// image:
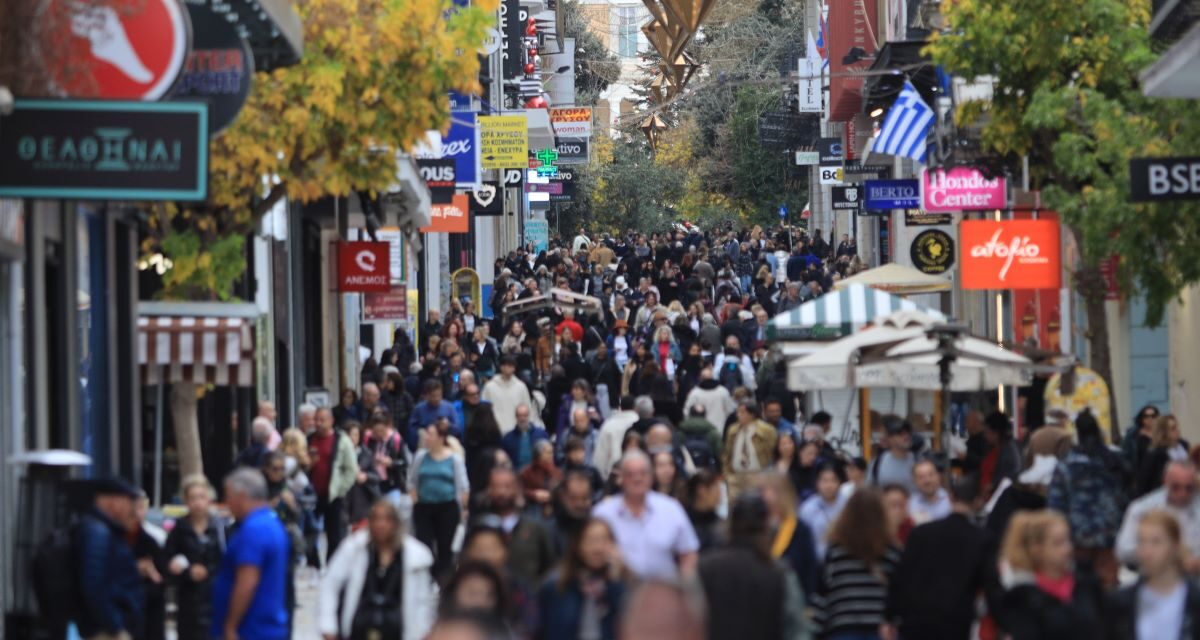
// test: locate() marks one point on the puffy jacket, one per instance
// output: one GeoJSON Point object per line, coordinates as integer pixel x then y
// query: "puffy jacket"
{"type": "Point", "coordinates": [111, 589]}
{"type": "Point", "coordinates": [342, 587]}
{"type": "Point", "coordinates": [1087, 488]}
{"type": "Point", "coordinates": [194, 597]}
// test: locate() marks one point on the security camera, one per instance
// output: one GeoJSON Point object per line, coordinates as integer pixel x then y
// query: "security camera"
{"type": "Point", "coordinates": [6, 101]}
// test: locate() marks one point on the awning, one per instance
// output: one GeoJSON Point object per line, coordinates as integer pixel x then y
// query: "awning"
{"type": "Point", "coordinates": [200, 349]}
{"type": "Point", "coordinates": [839, 313]}
{"type": "Point", "coordinates": [906, 59]}
{"type": "Point", "coordinates": [897, 278]}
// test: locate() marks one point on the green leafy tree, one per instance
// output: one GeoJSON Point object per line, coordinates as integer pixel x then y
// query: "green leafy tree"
{"type": "Point", "coordinates": [1066, 96]}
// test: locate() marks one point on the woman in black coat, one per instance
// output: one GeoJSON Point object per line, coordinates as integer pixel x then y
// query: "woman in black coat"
{"type": "Point", "coordinates": [193, 554]}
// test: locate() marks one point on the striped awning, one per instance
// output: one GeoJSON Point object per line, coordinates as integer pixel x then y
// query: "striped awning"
{"type": "Point", "coordinates": [204, 350]}
{"type": "Point", "coordinates": [839, 313]}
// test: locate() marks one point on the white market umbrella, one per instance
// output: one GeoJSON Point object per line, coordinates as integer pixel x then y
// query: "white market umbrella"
{"type": "Point", "coordinates": [898, 279]}
{"type": "Point", "coordinates": [839, 313]}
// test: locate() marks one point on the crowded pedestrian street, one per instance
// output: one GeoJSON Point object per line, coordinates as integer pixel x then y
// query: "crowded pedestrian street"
{"type": "Point", "coordinates": [599, 320]}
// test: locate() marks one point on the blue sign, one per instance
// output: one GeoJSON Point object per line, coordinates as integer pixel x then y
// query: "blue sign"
{"type": "Point", "coordinates": [460, 102]}
{"type": "Point", "coordinates": [783, 211]}
{"type": "Point", "coordinates": [537, 233]}
{"type": "Point", "coordinates": [892, 194]}
{"type": "Point", "coordinates": [462, 145]}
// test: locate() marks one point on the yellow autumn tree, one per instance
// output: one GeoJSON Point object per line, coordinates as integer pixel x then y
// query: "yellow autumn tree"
{"type": "Point", "coordinates": [374, 77]}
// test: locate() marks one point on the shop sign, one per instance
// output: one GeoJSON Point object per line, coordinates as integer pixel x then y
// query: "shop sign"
{"type": "Point", "coordinates": [386, 306]}
{"type": "Point", "coordinates": [573, 150]}
{"type": "Point", "coordinates": [571, 122]}
{"type": "Point", "coordinates": [450, 218]}
{"type": "Point", "coordinates": [893, 194]}
{"type": "Point", "coordinates": [486, 200]}
{"type": "Point", "coordinates": [807, 158]}
{"type": "Point", "coordinates": [554, 188]}
{"type": "Point", "coordinates": [105, 150]}
{"type": "Point", "coordinates": [512, 37]}
{"type": "Point", "coordinates": [846, 198]}
{"type": "Point", "coordinates": [117, 49]}
{"type": "Point", "coordinates": [440, 177]}
{"type": "Point", "coordinates": [1160, 179]}
{"type": "Point", "coordinates": [364, 266]}
{"type": "Point", "coordinates": [918, 218]}
{"type": "Point", "coordinates": [1010, 254]}
{"type": "Point", "coordinates": [932, 251]}
{"type": "Point", "coordinates": [537, 233]}
{"type": "Point", "coordinates": [832, 150]}
{"type": "Point", "coordinates": [219, 67]}
{"type": "Point", "coordinates": [503, 141]}
{"type": "Point", "coordinates": [830, 175]}
{"type": "Point", "coordinates": [856, 171]}
{"type": "Point", "coordinates": [961, 189]}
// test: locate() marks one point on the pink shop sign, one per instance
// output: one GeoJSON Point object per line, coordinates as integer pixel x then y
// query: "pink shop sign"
{"type": "Point", "coordinates": [961, 189]}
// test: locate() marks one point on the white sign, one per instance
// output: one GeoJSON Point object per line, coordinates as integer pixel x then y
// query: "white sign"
{"type": "Point", "coordinates": [492, 43]}
{"type": "Point", "coordinates": [830, 175]}
{"type": "Point", "coordinates": [807, 158]}
{"type": "Point", "coordinates": [810, 79]}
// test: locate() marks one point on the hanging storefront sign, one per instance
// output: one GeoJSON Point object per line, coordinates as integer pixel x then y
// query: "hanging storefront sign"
{"type": "Point", "coordinates": [1160, 179]}
{"type": "Point", "coordinates": [512, 37]}
{"type": "Point", "coordinates": [219, 67]}
{"type": "Point", "coordinates": [364, 266]}
{"type": "Point", "coordinates": [807, 158]}
{"type": "Point", "coordinates": [439, 176]}
{"type": "Point", "coordinates": [462, 145]}
{"type": "Point", "coordinates": [832, 150]}
{"type": "Point", "coordinates": [1010, 254]}
{"type": "Point", "coordinates": [932, 251]}
{"type": "Point", "coordinates": [565, 179]}
{"type": "Point", "coordinates": [810, 78]}
{"type": "Point", "coordinates": [387, 306]}
{"type": "Point", "coordinates": [856, 171]}
{"type": "Point", "coordinates": [486, 200]}
{"type": "Point", "coordinates": [105, 150]}
{"type": "Point", "coordinates": [892, 194]}
{"type": "Point", "coordinates": [115, 50]}
{"type": "Point", "coordinates": [846, 198]}
{"type": "Point", "coordinates": [961, 189]}
{"type": "Point", "coordinates": [503, 141]}
{"type": "Point", "coordinates": [571, 122]}
{"type": "Point", "coordinates": [572, 150]}
{"type": "Point", "coordinates": [918, 218]}
{"type": "Point", "coordinates": [450, 218]}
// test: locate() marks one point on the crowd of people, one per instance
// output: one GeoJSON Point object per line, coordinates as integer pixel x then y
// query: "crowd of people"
{"type": "Point", "coordinates": [643, 472]}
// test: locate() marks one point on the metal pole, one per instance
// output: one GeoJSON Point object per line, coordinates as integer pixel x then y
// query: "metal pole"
{"type": "Point", "coordinates": [158, 439]}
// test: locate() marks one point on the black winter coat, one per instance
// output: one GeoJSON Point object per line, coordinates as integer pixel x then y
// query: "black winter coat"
{"type": "Point", "coordinates": [1029, 613]}
{"type": "Point", "coordinates": [194, 598]}
{"type": "Point", "coordinates": [1122, 614]}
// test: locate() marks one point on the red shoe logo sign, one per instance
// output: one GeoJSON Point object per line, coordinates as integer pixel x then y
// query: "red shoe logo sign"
{"type": "Point", "coordinates": [123, 50]}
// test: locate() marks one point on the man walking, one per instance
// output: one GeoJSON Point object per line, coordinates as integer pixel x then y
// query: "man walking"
{"type": "Point", "coordinates": [749, 448]}
{"type": "Point", "coordinates": [250, 590]}
{"type": "Point", "coordinates": [110, 587]}
{"type": "Point", "coordinates": [334, 473]}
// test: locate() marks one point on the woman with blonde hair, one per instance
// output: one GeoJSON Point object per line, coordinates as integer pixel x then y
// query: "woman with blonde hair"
{"type": "Point", "coordinates": [193, 552]}
{"type": "Point", "coordinates": [1164, 603]}
{"type": "Point", "coordinates": [1045, 597]}
{"type": "Point", "coordinates": [1166, 445]}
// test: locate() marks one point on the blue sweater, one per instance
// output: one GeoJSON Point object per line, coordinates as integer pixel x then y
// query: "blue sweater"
{"type": "Point", "coordinates": [425, 414]}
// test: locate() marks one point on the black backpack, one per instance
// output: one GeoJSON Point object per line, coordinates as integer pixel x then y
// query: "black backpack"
{"type": "Point", "coordinates": [701, 452]}
{"type": "Point", "coordinates": [55, 574]}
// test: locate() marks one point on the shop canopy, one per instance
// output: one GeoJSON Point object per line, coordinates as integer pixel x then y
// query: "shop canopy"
{"type": "Point", "coordinates": [204, 343]}
{"type": "Point", "coordinates": [839, 313]}
{"type": "Point", "coordinates": [895, 278]}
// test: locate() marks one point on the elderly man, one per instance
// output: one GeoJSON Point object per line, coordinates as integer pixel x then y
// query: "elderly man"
{"type": "Point", "coordinates": [749, 448]}
{"type": "Point", "coordinates": [612, 433]}
{"type": "Point", "coordinates": [260, 437]}
{"type": "Point", "coordinates": [250, 589]}
{"type": "Point", "coordinates": [266, 410]}
{"type": "Point", "coordinates": [368, 402]}
{"type": "Point", "coordinates": [1178, 496]}
{"type": "Point", "coordinates": [581, 428]}
{"type": "Point", "coordinates": [112, 603]}
{"type": "Point", "coordinates": [520, 442]}
{"type": "Point", "coordinates": [653, 532]}
{"type": "Point", "coordinates": [306, 418]}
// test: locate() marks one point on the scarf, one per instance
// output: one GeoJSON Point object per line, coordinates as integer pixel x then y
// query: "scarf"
{"type": "Point", "coordinates": [1060, 588]}
{"type": "Point", "coordinates": [783, 537]}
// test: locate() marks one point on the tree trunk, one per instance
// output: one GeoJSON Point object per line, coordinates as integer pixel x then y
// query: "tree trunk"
{"type": "Point", "coordinates": [187, 431]}
{"type": "Point", "coordinates": [1091, 285]}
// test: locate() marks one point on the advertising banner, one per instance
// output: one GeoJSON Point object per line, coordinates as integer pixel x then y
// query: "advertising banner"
{"type": "Point", "coordinates": [1010, 254]}
{"type": "Point", "coordinates": [105, 150]}
{"type": "Point", "coordinates": [961, 189]}
{"type": "Point", "coordinates": [389, 306]}
{"type": "Point", "coordinates": [537, 233]}
{"type": "Point", "coordinates": [893, 194]}
{"type": "Point", "coordinates": [450, 218]}
{"type": "Point", "coordinates": [219, 68]}
{"type": "Point", "coordinates": [571, 122]}
{"type": "Point", "coordinates": [1159, 179]}
{"type": "Point", "coordinates": [364, 266]}
{"type": "Point", "coordinates": [572, 150]}
{"type": "Point", "coordinates": [439, 176]}
{"type": "Point", "coordinates": [461, 144]}
{"type": "Point", "coordinates": [503, 141]}
{"type": "Point", "coordinates": [512, 35]}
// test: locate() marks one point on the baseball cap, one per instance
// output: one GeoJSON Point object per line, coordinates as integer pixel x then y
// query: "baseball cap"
{"type": "Point", "coordinates": [114, 486]}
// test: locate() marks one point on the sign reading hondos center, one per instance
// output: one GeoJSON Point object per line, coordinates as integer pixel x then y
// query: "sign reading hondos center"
{"type": "Point", "coordinates": [503, 141]}
{"type": "Point", "coordinates": [961, 189]}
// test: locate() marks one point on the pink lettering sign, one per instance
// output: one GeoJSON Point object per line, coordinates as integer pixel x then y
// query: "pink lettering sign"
{"type": "Point", "coordinates": [961, 189]}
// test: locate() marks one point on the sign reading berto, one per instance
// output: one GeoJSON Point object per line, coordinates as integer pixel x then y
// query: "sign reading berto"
{"type": "Point", "coordinates": [892, 194]}
{"type": "Point", "coordinates": [107, 150]}
{"type": "Point", "coordinates": [364, 266]}
{"type": "Point", "coordinates": [961, 189]}
{"type": "Point", "coordinates": [1010, 254]}
{"type": "Point", "coordinates": [1159, 179]}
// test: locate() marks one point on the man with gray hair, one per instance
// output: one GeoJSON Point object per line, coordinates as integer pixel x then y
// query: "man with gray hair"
{"type": "Point", "coordinates": [260, 437]}
{"type": "Point", "coordinates": [306, 418]}
{"type": "Point", "coordinates": [250, 588]}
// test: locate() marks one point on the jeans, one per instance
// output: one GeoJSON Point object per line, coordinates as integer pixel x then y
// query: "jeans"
{"type": "Point", "coordinates": [333, 512]}
{"type": "Point", "coordinates": [435, 524]}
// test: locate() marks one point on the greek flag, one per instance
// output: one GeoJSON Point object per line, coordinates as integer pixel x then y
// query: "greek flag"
{"type": "Point", "coordinates": [906, 126]}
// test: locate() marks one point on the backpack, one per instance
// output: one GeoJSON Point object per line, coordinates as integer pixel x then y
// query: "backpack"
{"type": "Point", "coordinates": [731, 375]}
{"type": "Point", "coordinates": [699, 449]}
{"type": "Point", "coordinates": [55, 569]}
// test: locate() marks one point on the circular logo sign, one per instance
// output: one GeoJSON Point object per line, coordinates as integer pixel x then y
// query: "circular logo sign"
{"type": "Point", "coordinates": [932, 251]}
{"type": "Point", "coordinates": [120, 50]}
{"type": "Point", "coordinates": [218, 69]}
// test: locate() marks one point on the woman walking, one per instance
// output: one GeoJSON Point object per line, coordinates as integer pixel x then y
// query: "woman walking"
{"type": "Point", "coordinates": [439, 489]}
{"type": "Point", "coordinates": [193, 551]}
{"type": "Point", "coordinates": [583, 598]}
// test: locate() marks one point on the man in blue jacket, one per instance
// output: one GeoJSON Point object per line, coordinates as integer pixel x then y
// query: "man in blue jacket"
{"type": "Point", "coordinates": [520, 442]}
{"type": "Point", "coordinates": [428, 412]}
{"type": "Point", "coordinates": [110, 592]}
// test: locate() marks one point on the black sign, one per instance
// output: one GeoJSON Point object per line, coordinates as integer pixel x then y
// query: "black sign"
{"type": "Point", "coordinates": [440, 176]}
{"type": "Point", "coordinates": [786, 130]}
{"type": "Point", "coordinates": [1159, 179]}
{"type": "Point", "coordinates": [487, 200]}
{"type": "Point", "coordinates": [855, 171]}
{"type": "Point", "coordinates": [572, 150]}
{"type": "Point", "coordinates": [847, 198]}
{"type": "Point", "coordinates": [513, 177]}
{"type": "Point", "coordinates": [832, 151]}
{"type": "Point", "coordinates": [219, 67]}
{"type": "Point", "coordinates": [105, 150]}
{"type": "Point", "coordinates": [918, 218]}
{"type": "Point", "coordinates": [566, 176]}
{"type": "Point", "coordinates": [932, 251]}
{"type": "Point", "coordinates": [512, 38]}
